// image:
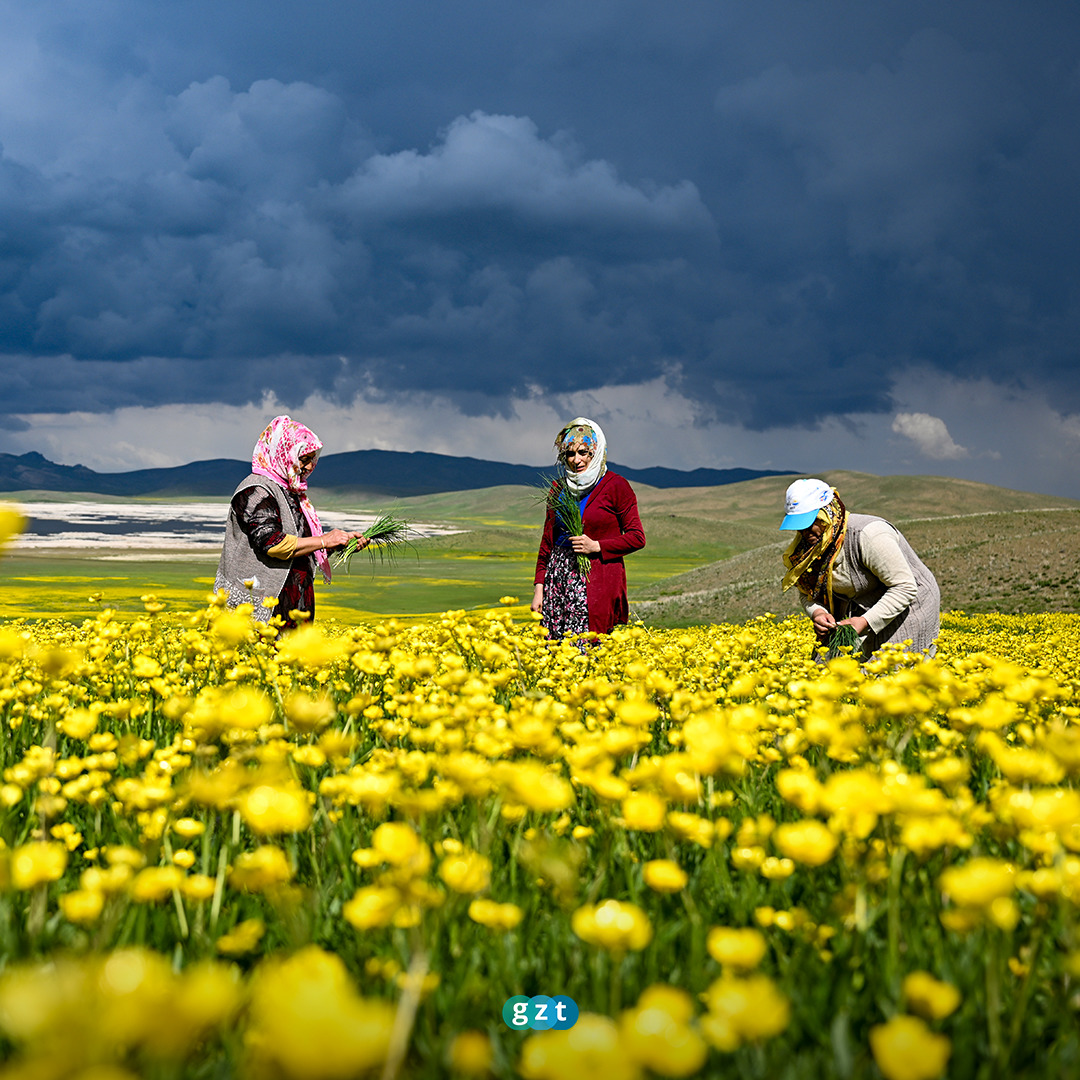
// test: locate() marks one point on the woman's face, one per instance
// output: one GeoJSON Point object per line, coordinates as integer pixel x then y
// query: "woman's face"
{"type": "Point", "coordinates": [577, 456]}
{"type": "Point", "coordinates": [307, 463]}
{"type": "Point", "coordinates": [813, 534]}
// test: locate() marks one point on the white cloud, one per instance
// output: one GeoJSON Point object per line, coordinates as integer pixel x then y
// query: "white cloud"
{"type": "Point", "coordinates": [929, 434]}
{"type": "Point", "coordinates": [501, 162]}
{"type": "Point", "coordinates": [649, 423]}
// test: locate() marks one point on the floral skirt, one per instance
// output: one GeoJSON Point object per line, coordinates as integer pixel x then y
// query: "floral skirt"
{"type": "Point", "coordinates": [566, 605]}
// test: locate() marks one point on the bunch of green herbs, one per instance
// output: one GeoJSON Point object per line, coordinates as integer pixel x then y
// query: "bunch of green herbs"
{"type": "Point", "coordinates": [387, 535]}
{"type": "Point", "coordinates": [843, 640]}
{"type": "Point", "coordinates": [564, 504]}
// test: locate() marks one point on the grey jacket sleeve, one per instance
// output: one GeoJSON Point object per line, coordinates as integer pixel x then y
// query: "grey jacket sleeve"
{"type": "Point", "coordinates": [880, 553]}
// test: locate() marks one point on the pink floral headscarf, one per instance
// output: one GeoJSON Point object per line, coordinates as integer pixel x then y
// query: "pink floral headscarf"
{"type": "Point", "coordinates": [277, 455]}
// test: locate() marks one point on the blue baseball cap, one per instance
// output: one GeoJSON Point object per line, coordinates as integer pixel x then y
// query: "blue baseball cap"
{"type": "Point", "coordinates": [802, 502]}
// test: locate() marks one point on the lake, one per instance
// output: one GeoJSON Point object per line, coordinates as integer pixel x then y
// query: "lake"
{"type": "Point", "coordinates": [194, 528]}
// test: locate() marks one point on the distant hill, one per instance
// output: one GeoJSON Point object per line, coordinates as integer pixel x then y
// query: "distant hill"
{"type": "Point", "coordinates": [991, 549]}
{"type": "Point", "coordinates": [375, 472]}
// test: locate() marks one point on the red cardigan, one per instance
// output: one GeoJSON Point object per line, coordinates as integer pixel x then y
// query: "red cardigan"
{"type": "Point", "coordinates": [610, 517]}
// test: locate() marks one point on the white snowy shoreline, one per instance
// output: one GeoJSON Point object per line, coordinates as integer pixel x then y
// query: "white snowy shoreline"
{"type": "Point", "coordinates": [192, 530]}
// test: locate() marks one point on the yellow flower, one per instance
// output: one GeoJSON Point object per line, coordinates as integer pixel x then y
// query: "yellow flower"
{"type": "Point", "coordinates": [672, 1000]}
{"type": "Point", "coordinates": [243, 938]}
{"type": "Point", "coordinates": [468, 872]}
{"type": "Point", "coordinates": [697, 830]}
{"type": "Point", "coordinates": [198, 887]}
{"type": "Point", "coordinates": [613, 925]}
{"type": "Point", "coordinates": [218, 709]}
{"type": "Point", "coordinates": [122, 855]}
{"type": "Point", "coordinates": [800, 788]}
{"type": "Point", "coordinates": [949, 772]}
{"type": "Point", "coordinates": [37, 864]}
{"type": "Point", "coordinates": [309, 755]}
{"type": "Point", "coordinates": [470, 1052]}
{"type": "Point", "coordinates": [660, 1044]}
{"type": "Point", "coordinates": [748, 858]}
{"type": "Point", "coordinates": [155, 883]}
{"type": "Point", "coordinates": [145, 667]}
{"type": "Point", "coordinates": [736, 948]}
{"type": "Point", "coordinates": [260, 869]}
{"type": "Point", "coordinates": [929, 997]}
{"type": "Point", "coordinates": [82, 906]}
{"type": "Point", "coordinates": [978, 882]}
{"type": "Point", "coordinates": [636, 712]}
{"type": "Point", "coordinates": [308, 1023]}
{"type": "Point", "coordinates": [371, 907]}
{"type": "Point", "coordinates": [923, 835]}
{"type": "Point", "coordinates": [1004, 912]}
{"type": "Point", "coordinates": [78, 724]}
{"type": "Point", "coordinates": [644, 812]}
{"type": "Point", "coordinates": [658, 1034]}
{"type": "Point", "coordinates": [306, 713]}
{"type": "Point", "coordinates": [495, 916]}
{"type": "Point", "coordinates": [188, 828]}
{"type": "Point", "coordinates": [536, 787]}
{"type": "Point", "coordinates": [269, 809]}
{"type": "Point", "coordinates": [206, 995]}
{"type": "Point", "coordinates": [743, 1010]}
{"type": "Point", "coordinates": [664, 875]}
{"type": "Point", "coordinates": [309, 647]}
{"type": "Point", "coordinates": [776, 869]}
{"type": "Point", "coordinates": [231, 628]}
{"type": "Point", "coordinates": [906, 1049]}
{"type": "Point", "coordinates": [806, 841]}
{"type": "Point", "coordinates": [592, 1047]}
{"type": "Point", "coordinates": [398, 844]}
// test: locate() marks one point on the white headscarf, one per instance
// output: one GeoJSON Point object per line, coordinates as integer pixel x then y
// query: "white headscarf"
{"type": "Point", "coordinates": [583, 482]}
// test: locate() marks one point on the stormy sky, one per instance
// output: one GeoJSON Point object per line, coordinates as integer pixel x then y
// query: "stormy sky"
{"type": "Point", "coordinates": [791, 234]}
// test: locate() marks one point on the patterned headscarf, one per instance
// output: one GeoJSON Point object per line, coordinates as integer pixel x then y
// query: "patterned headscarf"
{"type": "Point", "coordinates": [810, 563]}
{"type": "Point", "coordinates": [587, 433]}
{"type": "Point", "coordinates": [277, 455]}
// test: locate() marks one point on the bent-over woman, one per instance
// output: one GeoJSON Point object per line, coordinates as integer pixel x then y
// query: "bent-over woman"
{"type": "Point", "coordinates": [273, 539]}
{"type": "Point", "coordinates": [857, 570]}
{"type": "Point", "coordinates": [569, 601]}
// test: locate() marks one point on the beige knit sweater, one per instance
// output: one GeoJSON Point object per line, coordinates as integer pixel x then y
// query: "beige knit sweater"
{"type": "Point", "coordinates": [879, 576]}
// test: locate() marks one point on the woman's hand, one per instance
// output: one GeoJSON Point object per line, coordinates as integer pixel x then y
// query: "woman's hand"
{"type": "Point", "coordinates": [824, 624]}
{"type": "Point", "coordinates": [857, 623]}
{"type": "Point", "coordinates": [585, 545]}
{"type": "Point", "coordinates": [538, 599]}
{"type": "Point", "coordinates": [335, 538]}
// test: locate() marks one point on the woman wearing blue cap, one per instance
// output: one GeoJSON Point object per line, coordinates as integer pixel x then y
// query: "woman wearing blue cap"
{"type": "Point", "coordinates": [857, 570]}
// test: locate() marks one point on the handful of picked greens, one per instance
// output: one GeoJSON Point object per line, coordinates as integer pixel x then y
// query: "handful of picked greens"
{"type": "Point", "coordinates": [559, 498]}
{"type": "Point", "coordinates": [387, 534]}
{"type": "Point", "coordinates": [843, 639]}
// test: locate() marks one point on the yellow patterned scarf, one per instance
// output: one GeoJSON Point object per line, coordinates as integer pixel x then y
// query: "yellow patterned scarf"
{"type": "Point", "coordinates": [809, 563]}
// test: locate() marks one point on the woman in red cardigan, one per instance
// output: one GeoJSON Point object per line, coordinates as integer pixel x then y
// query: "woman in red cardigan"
{"type": "Point", "coordinates": [569, 601]}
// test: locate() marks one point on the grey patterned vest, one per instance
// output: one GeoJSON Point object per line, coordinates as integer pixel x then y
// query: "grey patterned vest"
{"type": "Point", "coordinates": [920, 623]}
{"type": "Point", "coordinates": [240, 562]}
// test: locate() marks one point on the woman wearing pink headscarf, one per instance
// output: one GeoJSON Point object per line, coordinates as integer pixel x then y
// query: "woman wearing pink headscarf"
{"type": "Point", "coordinates": [273, 539]}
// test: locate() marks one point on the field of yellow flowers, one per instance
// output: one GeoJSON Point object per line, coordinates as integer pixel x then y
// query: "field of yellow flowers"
{"type": "Point", "coordinates": [337, 854]}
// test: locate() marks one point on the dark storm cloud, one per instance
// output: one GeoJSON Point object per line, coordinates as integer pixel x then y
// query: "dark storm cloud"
{"type": "Point", "coordinates": [779, 207]}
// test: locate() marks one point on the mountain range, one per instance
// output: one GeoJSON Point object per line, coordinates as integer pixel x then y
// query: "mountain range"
{"type": "Point", "coordinates": [376, 472]}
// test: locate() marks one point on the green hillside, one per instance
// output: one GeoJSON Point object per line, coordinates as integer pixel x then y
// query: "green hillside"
{"type": "Point", "coordinates": [991, 549]}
